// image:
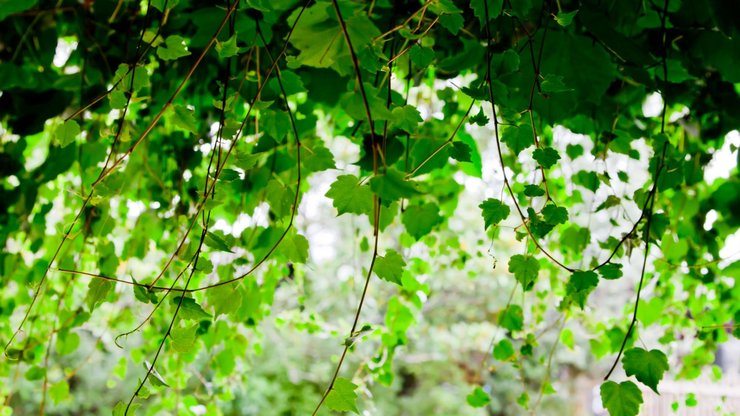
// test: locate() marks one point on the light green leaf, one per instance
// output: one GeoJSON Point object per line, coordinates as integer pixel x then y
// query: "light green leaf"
{"type": "Point", "coordinates": [390, 267]}
{"type": "Point", "coordinates": [623, 399]}
{"type": "Point", "coordinates": [227, 48]}
{"type": "Point", "coordinates": [97, 291]}
{"type": "Point", "coordinates": [67, 133]}
{"type": "Point", "coordinates": [478, 398]}
{"type": "Point", "coordinates": [342, 396]}
{"type": "Point", "coordinates": [217, 241]}
{"type": "Point", "coordinates": [565, 18]}
{"type": "Point", "coordinates": [174, 48]}
{"type": "Point", "coordinates": [190, 309]}
{"type": "Point", "coordinates": [406, 118]}
{"type": "Point", "coordinates": [647, 366]}
{"type": "Point", "coordinates": [512, 318]}
{"type": "Point", "coordinates": [504, 350]}
{"type": "Point", "coordinates": [183, 118]}
{"type": "Point", "coordinates": [225, 299]}
{"type": "Point", "coordinates": [183, 338]}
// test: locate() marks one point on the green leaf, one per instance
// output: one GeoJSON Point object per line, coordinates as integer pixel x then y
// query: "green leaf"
{"type": "Point", "coordinates": [183, 338]}
{"type": "Point", "coordinates": [555, 215]}
{"type": "Point", "coordinates": [183, 118]}
{"type": "Point", "coordinates": [294, 247]}
{"type": "Point", "coordinates": [623, 399]}
{"type": "Point", "coordinates": [342, 396]}
{"type": "Point", "coordinates": [494, 211]}
{"type": "Point", "coordinates": [518, 138]}
{"type": "Point", "coordinates": [97, 291]}
{"type": "Point", "coordinates": [390, 267]}
{"type": "Point", "coordinates": [565, 18]}
{"type": "Point", "coordinates": [647, 366]}
{"type": "Point", "coordinates": [349, 197]}
{"type": "Point", "coordinates": [190, 309]}
{"type": "Point", "coordinates": [533, 191]}
{"type": "Point", "coordinates": [419, 220]}
{"type": "Point", "coordinates": [225, 299]}
{"type": "Point", "coordinates": [503, 350]}
{"type": "Point", "coordinates": [406, 118]}
{"type": "Point", "coordinates": [227, 48]}
{"type": "Point", "coordinates": [512, 318]}
{"type": "Point", "coordinates": [479, 9]}
{"type": "Point", "coordinates": [67, 133]}
{"type": "Point", "coordinates": [10, 7]}
{"type": "Point", "coordinates": [392, 186]}
{"type": "Point", "coordinates": [480, 119]}
{"type": "Point", "coordinates": [525, 269]}
{"type": "Point", "coordinates": [67, 342]}
{"type": "Point", "coordinates": [546, 157]}
{"type": "Point", "coordinates": [421, 56]}
{"type": "Point", "coordinates": [154, 377]}
{"type": "Point", "coordinates": [611, 271]}
{"type": "Point", "coordinates": [580, 285]}
{"type": "Point", "coordinates": [217, 242]}
{"type": "Point", "coordinates": [59, 391]}
{"type": "Point", "coordinates": [478, 398]}
{"type": "Point", "coordinates": [553, 84]}
{"type": "Point", "coordinates": [174, 48]}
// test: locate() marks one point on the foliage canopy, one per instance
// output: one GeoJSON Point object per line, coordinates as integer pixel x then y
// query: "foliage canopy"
{"type": "Point", "coordinates": [170, 117]}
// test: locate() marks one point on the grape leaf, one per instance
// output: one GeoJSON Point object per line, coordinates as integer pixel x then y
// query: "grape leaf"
{"type": "Point", "coordinates": [174, 48]}
{"type": "Point", "coordinates": [494, 211]}
{"type": "Point", "coordinates": [647, 366]}
{"type": "Point", "coordinates": [478, 398]}
{"type": "Point", "coordinates": [67, 133]}
{"type": "Point", "coordinates": [349, 197]}
{"type": "Point", "coordinates": [342, 396]}
{"type": "Point", "coordinates": [512, 318]}
{"type": "Point", "coordinates": [420, 219]}
{"type": "Point", "coordinates": [525, 269]}
{"type": "Point", "coordinates": [580, 285]}
{"type": "Point", "coordinates": [390, 267]}
{"type": "Point", "coordinates": [623, 399]}
{"type": "Point", "coordinates": [546, 157]}
{"type": "Point", "coordinates": [504, 350]}
{"type": "Point", "coordinates": [392, 186]}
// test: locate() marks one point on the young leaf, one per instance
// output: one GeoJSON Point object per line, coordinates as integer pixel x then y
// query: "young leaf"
{"type": "Point", "coordinates": [504, 350]}
{"type": "Point", "coordinates": [342, 396]}
{"type": "Point", "coordinates": [512, 318]}
{"type": "Point", "coordinates": [525, 269]}
{"type": "Point", "coordinates": [623, 399]}
{"type": "Point", "coordinates": [647, 366]}
{"type": "Point", "coordinates": [67, 133]}
{"type": "Point", "coordinates": [390, 267]}
{"type": "Point", "coordinates": [478, 398]}
{"type": "Point", "coordinates": [174, 48]}
{"type": "Point", "coordinates": [494, 211]}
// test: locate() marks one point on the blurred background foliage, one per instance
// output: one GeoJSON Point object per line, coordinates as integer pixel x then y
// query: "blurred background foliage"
{"type": "Point", "coordinates": [195, 196]}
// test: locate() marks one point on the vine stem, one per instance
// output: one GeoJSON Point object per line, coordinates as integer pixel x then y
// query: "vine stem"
{"type": "Point", "coordinates": [376, 206]}
{"type": "Point", "coordinates": [651, 197]}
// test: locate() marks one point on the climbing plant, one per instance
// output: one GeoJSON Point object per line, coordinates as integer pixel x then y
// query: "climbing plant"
{"type": "Point", "coordinates": [136, 135]}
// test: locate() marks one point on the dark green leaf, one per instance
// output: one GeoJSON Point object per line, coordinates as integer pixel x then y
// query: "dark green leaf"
{"type": "Point", "coordinates": [647, 366]}
{"type": "Point", "coordinates": [623, 399]}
